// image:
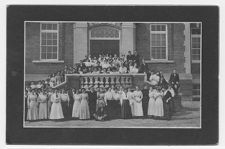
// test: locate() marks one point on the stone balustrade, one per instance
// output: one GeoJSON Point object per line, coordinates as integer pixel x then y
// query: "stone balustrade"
{"type": "Point", "coordinates": [102, 80]}
{"type": "Point", "coordinates": [105, 80]}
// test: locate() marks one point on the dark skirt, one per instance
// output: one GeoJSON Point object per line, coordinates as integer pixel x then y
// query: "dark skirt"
{"type": "Point", "coordinates": [65, 109]}
{"type": "Point", "coordinates": [167, 110]}
{"type": "Point", "coordinates": [126, 110]}
{"type": "Point", "coordinates": [113, 109]}
{"type": "Point", "coordinates": [100, 114]}
{"type": "Point", "coordinates": [177, 106]}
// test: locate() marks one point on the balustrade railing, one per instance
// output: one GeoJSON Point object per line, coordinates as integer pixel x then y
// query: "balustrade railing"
{"type": "Point", "coordinates": [105, 80]}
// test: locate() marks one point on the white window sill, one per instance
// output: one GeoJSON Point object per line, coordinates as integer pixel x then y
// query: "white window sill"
{"type": "Point", "coordinates": [42, 61]}
{"type": "Point", "coordinates": [195, 61]}
{"type": "Point", "coordinates": [159, 61]}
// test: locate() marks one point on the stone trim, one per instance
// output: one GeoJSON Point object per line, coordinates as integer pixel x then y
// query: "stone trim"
{"type": "Point", "coordinates": [43, 61]}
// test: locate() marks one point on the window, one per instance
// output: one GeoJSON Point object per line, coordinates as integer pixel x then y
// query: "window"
{"type": "Point", "coordinates": [195, 41]}
{"type": "Point", "coordinates": [49, 41]}
{"type": "Point", "coordinates": [158, 41]}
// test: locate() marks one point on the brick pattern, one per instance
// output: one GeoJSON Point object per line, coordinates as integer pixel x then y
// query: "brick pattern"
{"type": "Point", "coordinates": [175, 47]}
{"type": "Point", "coordinates": [33, 49]}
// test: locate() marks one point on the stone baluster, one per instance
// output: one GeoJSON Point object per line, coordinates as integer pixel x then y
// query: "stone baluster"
{"type": "Point", "coordinates": [101, 83]}
{"type": "Point", "coordinates": [96, 82]}
{"type": "Point", "coordinates": [129, 81]}
{"type": "Point", "coordinates": [122, 80]}
{"type": "Point", "coordinates": [91, 81]}
{"type": "Point", "coordinates": [86, 82]}
{"type": "Point", "coordinates": [106, 81]}
{"type": "Point", "coordinates": [117, 80]}
{"type": "Point", "coordinates": [81, 82]}
{"type": "Point", "coordinates": [112, 82]}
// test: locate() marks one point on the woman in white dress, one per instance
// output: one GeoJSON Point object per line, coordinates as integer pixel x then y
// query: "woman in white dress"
{"type": "Point", "coordinates": [151, 103]}
{"type": "Point", "coordinates": [138, 111]}
{"type": "Point", "coordinates": [134, 69]}
{"type": "Point", "coordinates": [42, 99]}
{"type": "Point", "coordinates": [159, 113]}
{"type": "Point", "coordinates": [84, 108]}
{"type": "Point", "coordinates": [76, 104]}
{"type": "Point", "coordinates": [56, 109]}
{"type": "Point", "coordinates": [32, 113]}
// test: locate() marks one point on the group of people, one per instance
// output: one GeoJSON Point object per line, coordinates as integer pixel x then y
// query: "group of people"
{"type": "Point", "coordinates": [103, 64]}
{"type": "Point", "coordinates": [43, 102]}
{"type": "Point", "coordinates": [102, 103]}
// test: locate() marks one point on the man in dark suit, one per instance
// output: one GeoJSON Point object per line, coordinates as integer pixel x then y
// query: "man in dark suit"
{"type": "Point", "coordinates": [92, 94]}
{"type": "Point", "coordinates": [129, 56]}
{"type": "Point", "coordinates": [71, 101]}
{"type": "Point", "coordinates": [136, 58]}
{"type": "Point", "coordinates": [175, 81]}
{"type": "Point", "coordinates": [145, 100]}
{"type": "Point", "coordinates": [144, 69]}
{"type": "Point", "coordinates": [81, 66]}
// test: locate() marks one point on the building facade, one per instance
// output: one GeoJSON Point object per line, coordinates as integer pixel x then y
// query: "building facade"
{"type": "Point", "coordinates": [164, 46]}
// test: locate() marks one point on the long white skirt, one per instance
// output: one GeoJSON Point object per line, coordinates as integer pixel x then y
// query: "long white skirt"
{"type": "Point", "coordinates": [76, 109]}
{"type": "Point", "coordinates": [32, 113]}
{"type": "Point", "coordinates": [151, 107]}
{"type": "Point", "coordinates": [56, 111]}
{"type": "Point", "coordinates": [138, 111]}
{"type": "Point", "coordinates": [84, 110]}
{"type": "Point", "coordinates": [159, 107]}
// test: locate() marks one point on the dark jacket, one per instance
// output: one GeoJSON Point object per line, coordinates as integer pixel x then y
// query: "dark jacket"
{"type": "Point", "coordinates": [174, 78]}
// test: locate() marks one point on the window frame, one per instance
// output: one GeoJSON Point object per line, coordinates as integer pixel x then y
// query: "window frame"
{"type": "Point", "coordinates": [159, 32]}
{"type": "Point", "coordinates": [200, 46]}
{"type": "Point", "coordinates": [49, 31]}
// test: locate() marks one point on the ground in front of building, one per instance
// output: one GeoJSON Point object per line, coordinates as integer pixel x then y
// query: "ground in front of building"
{"type": "Point", "coordinates": [188, 117]}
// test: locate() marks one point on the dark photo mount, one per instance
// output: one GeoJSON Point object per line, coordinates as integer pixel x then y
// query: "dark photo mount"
{"type": "Point", "coordinates": [16, 134]}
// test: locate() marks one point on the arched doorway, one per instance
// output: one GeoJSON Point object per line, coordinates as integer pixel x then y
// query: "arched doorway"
{"type": "Point", "coordinates": [104, 40]}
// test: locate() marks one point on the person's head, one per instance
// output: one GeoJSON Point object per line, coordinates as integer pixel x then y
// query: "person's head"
{"type": "Point", "coordinates": [109, 89]}
{"type": "Point", "coordinates": [129, 52]}
{"type": "Point", "coordinates": [174, 71]}
{"type": "Point", "coordinates": [135, 52]}
{"type": "Point", "coordinates": [32, 91]}
{"type": "Point", "coordinates": [77, 91]}
{"type": "Point", "coordinates": [125, 90]}
{"type": "Point", "coordinates": [129, 89]}
{"type": "Point", "coordinates": [137, 88]}
{"type": "Point", "coordinates": [150, 88]}
{"type": "Point", "coordinates": [145, 87]}
{"type": "Point", "coordinates": [83, 90]}
{"type": "Point", "coordinates": [158, 88]}
{"type": "Point", "coordinates": [121, 88]}
{"type": "Point", "coordinates": [135, 65]}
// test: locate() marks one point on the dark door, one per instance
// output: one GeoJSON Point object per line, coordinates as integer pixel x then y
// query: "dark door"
{"type": "Point", "coordinates": [104, 47]}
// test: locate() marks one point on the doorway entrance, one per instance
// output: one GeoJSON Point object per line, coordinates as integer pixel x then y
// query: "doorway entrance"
{"type": "Point", "coordinates": [104, 39]}
{"type": "Point", "coordinates": [110, 47]}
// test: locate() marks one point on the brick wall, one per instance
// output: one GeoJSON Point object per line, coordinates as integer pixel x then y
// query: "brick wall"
{"type": "Point", "coordinates": [33, 49]}
{"type": "Point", "coordinates": [175, 47]}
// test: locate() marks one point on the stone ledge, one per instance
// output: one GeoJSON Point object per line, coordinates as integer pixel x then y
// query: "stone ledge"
{"type": "Point", "coordinates": [55, 62]}
{"type": "Point", "coordinates": [160, 61]}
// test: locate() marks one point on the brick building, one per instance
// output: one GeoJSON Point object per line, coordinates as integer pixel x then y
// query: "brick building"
{"type": "Point", "coordinates": [164, 46]}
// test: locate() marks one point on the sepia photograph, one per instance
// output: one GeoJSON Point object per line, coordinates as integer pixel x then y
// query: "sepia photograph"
{"type": "Point", "coordinates": [112, 74]}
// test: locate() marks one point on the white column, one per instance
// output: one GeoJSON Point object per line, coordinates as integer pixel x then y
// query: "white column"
{"type": "Point", "coordinates": [128, 38]}
{"type": "Point", "coordinates": [187, 52]}
{"type": "Point", "coordinates": [80, 41]}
